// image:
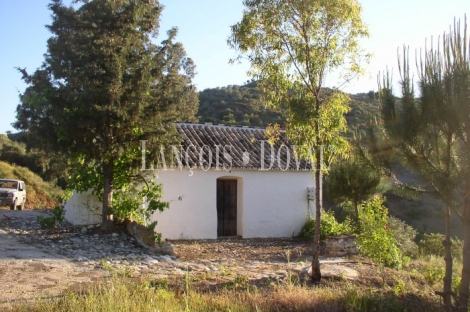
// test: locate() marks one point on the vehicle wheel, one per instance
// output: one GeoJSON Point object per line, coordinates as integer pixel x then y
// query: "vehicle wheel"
{"type": "Point", "coordinates": [21, 207]}
{"type": "Point", "coordinates": [13, 205]}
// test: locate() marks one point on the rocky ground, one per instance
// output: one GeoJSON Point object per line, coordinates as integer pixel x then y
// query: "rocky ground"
{"type": "Point", "coordinates": [37, 263]}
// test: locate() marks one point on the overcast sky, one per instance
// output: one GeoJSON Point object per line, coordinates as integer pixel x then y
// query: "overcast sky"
{"type": "Point", "coordinates": [204, 29]}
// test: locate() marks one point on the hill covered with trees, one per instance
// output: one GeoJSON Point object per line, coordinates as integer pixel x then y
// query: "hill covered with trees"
{"type": "Point", "coordinates": [240, 105]}
{"type": "Point", "coordinates": [243, 105]}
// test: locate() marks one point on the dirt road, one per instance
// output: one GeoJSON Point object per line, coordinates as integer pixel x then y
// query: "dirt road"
{"type": "Point", "coordinates": [30, 271]}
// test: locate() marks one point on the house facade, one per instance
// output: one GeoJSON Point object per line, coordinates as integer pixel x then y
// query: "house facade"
{"type": "Point", "coordinates": [224, 181]}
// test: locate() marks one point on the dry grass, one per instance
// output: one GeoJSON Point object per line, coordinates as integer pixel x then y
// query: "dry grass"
{"type": "Point", "coordinates": [41, 194]}
{"type": "Point", "coordinates": [182, 295]}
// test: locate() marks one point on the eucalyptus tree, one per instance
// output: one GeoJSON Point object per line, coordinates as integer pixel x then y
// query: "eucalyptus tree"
{"type": "Point", "coordinates": [428, 132]}
{"type": "Point", "coordinates": [292, 46]}
{"type": "Point", "coordinates": [105, 85]}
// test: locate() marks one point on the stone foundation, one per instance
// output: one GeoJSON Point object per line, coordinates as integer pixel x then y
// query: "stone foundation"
{"type": "Point", "coordinates": [340, 246]}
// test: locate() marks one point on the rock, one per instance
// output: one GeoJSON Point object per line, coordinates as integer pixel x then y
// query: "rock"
{"type": "Point", "coordinates": [142, 234]}
{"type": "Point", "coordinates": [164, 249]}
{"type": "Point", "coordinates": [341, 245]}
{"type": "Point", "coordinates": [115, 235]}
{"type": "Point", "coordinates": [84, 230]}
{"type": "Point", "coordinates": [150, 261]}
{"type": "Point", "coordinates": [337, 271]}
{"type": "Point", "coordinates": [165, 258]}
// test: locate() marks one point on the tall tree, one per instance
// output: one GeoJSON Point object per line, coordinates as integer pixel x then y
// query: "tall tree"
{"type": "Point", "coordinates": [292, 46]}
{"type": "Point", "coordinates": [104, 85]}
{"type": "Point", "coordinates": [429, 134]}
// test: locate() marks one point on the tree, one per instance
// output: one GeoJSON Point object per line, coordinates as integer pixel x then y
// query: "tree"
{"type": "Point", "coordinates": [429, 134]}
{"type": "Point", "coordinates": [354, 181]}
{"type": "Point", "coordinates": [104, 86]}
{"type": "Point", "coordinates": [292, 46]}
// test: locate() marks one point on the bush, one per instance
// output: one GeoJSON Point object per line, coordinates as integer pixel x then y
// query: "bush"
{"type": "Point", "coordinates": [329, 226]}
{"type": "Point", "coordinates": [375, 239]}
{"type": "Point", "coordinates": [405, 236]}
{"type": "Point", "coordinates": [54, 221]}
{"type": "Point", "coordinates": [431, 244]}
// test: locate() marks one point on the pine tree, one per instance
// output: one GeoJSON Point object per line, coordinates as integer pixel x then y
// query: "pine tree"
{"type": "Point", "coordinates": [428, 132]}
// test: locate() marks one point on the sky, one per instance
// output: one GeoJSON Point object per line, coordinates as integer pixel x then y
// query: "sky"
{"type": "Point", "coordinates": [204, 27]}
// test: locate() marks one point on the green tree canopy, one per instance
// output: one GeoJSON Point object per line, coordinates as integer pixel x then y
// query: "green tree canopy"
{"type": "Point", "coordinates": [105, 85]}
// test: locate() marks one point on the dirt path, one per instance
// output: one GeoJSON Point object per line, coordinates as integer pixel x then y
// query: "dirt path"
{"type": "Point", "coordinates": [36, 263]}
{"type": "Point", "coordinates": [29, 272]}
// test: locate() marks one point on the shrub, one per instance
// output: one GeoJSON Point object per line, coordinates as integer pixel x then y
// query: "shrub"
{"type": "Point", "coordinates": [54, 221]}
{"type": "Point", "coordinates": [405, 236]}
{"type": "Point", "coordinates": [431, 244]}
{"type": "Point", "coordinates": [430, 273]}
{"type": "Point", "coordinates": [128, 202]}
{"type": "Point", "coordinates": [375, 239]}
{"type": "Point", "coordinates": [329, 226]}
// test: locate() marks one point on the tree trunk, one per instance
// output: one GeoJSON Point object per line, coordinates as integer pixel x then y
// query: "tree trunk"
{"type": "Point", "coordinates": [316, 273]}
{"type": "Point", "coordinates": [448, 261]}
{"type": "Point", "coordinates": [356, 209]}
{"type": "Point", "coordinates": [465, 281]}
{"type": "Point", "coordinates": [108, 174]}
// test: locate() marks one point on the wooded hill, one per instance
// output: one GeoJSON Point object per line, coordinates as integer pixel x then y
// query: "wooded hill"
{"type": "Point", "coordinates": [242, 105]}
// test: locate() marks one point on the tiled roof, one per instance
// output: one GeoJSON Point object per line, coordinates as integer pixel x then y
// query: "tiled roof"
{"type": "Point", "coordinates": [236, 147]}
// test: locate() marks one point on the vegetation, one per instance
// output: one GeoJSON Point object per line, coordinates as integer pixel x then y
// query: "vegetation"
{"type": "Point", "coordinates": [405, 236]}
{"type": "Point", "coordinates": [431, 244]}
{"type": "Point", "coordinates": [291, 46]}
{"type": "Point", "coordinates": [41, 194]}
{"type": "Point", "coordinates": [429, 136]}
{"type": "Point", "coordinates": [352, 180]}
{"type": "Point", "coordinates": [54, 221]}
{"type": "Point", "coordinates": [329, 226]}
{"type": "Point", "coordinates": [244, 105]}
{"type": "Point", "coordinates": [240, 105]}
{"type": "Point", "coordinates": [376, 239]}
{"type": "Point", "coordinates": [94, 101]}
{"type": "Point", "coordinates": [15, 151]}
{"type": "Point", "coordinates": [183, 295]}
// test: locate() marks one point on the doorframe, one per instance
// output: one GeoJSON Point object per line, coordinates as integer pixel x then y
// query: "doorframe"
{"type": "Point", "coordinates": [239, 181]}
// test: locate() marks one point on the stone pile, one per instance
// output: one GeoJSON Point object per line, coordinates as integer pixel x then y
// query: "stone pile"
{"type": "Point", "coordinates": [340, 245]}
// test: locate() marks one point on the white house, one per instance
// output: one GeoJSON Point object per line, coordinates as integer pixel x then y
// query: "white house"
{"type": "Point", "coordinates": [225, 181]}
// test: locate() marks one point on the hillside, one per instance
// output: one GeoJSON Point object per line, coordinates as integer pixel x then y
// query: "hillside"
{"type": "Point", "coordinates": [238, 105]}
{"type": "Point", "coordinates": [241, 105]}
{"type": "Point", "coordinates": [40, 194]}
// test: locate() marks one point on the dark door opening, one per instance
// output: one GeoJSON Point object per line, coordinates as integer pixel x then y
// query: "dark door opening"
{"type": "Point", "coordinates": [226, 208]}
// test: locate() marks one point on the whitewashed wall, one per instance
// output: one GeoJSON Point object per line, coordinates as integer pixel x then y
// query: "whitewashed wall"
{"type": "Point", "coordinates": [83, 208]}
{"type": "Point", "coordinates": [270, 203]}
